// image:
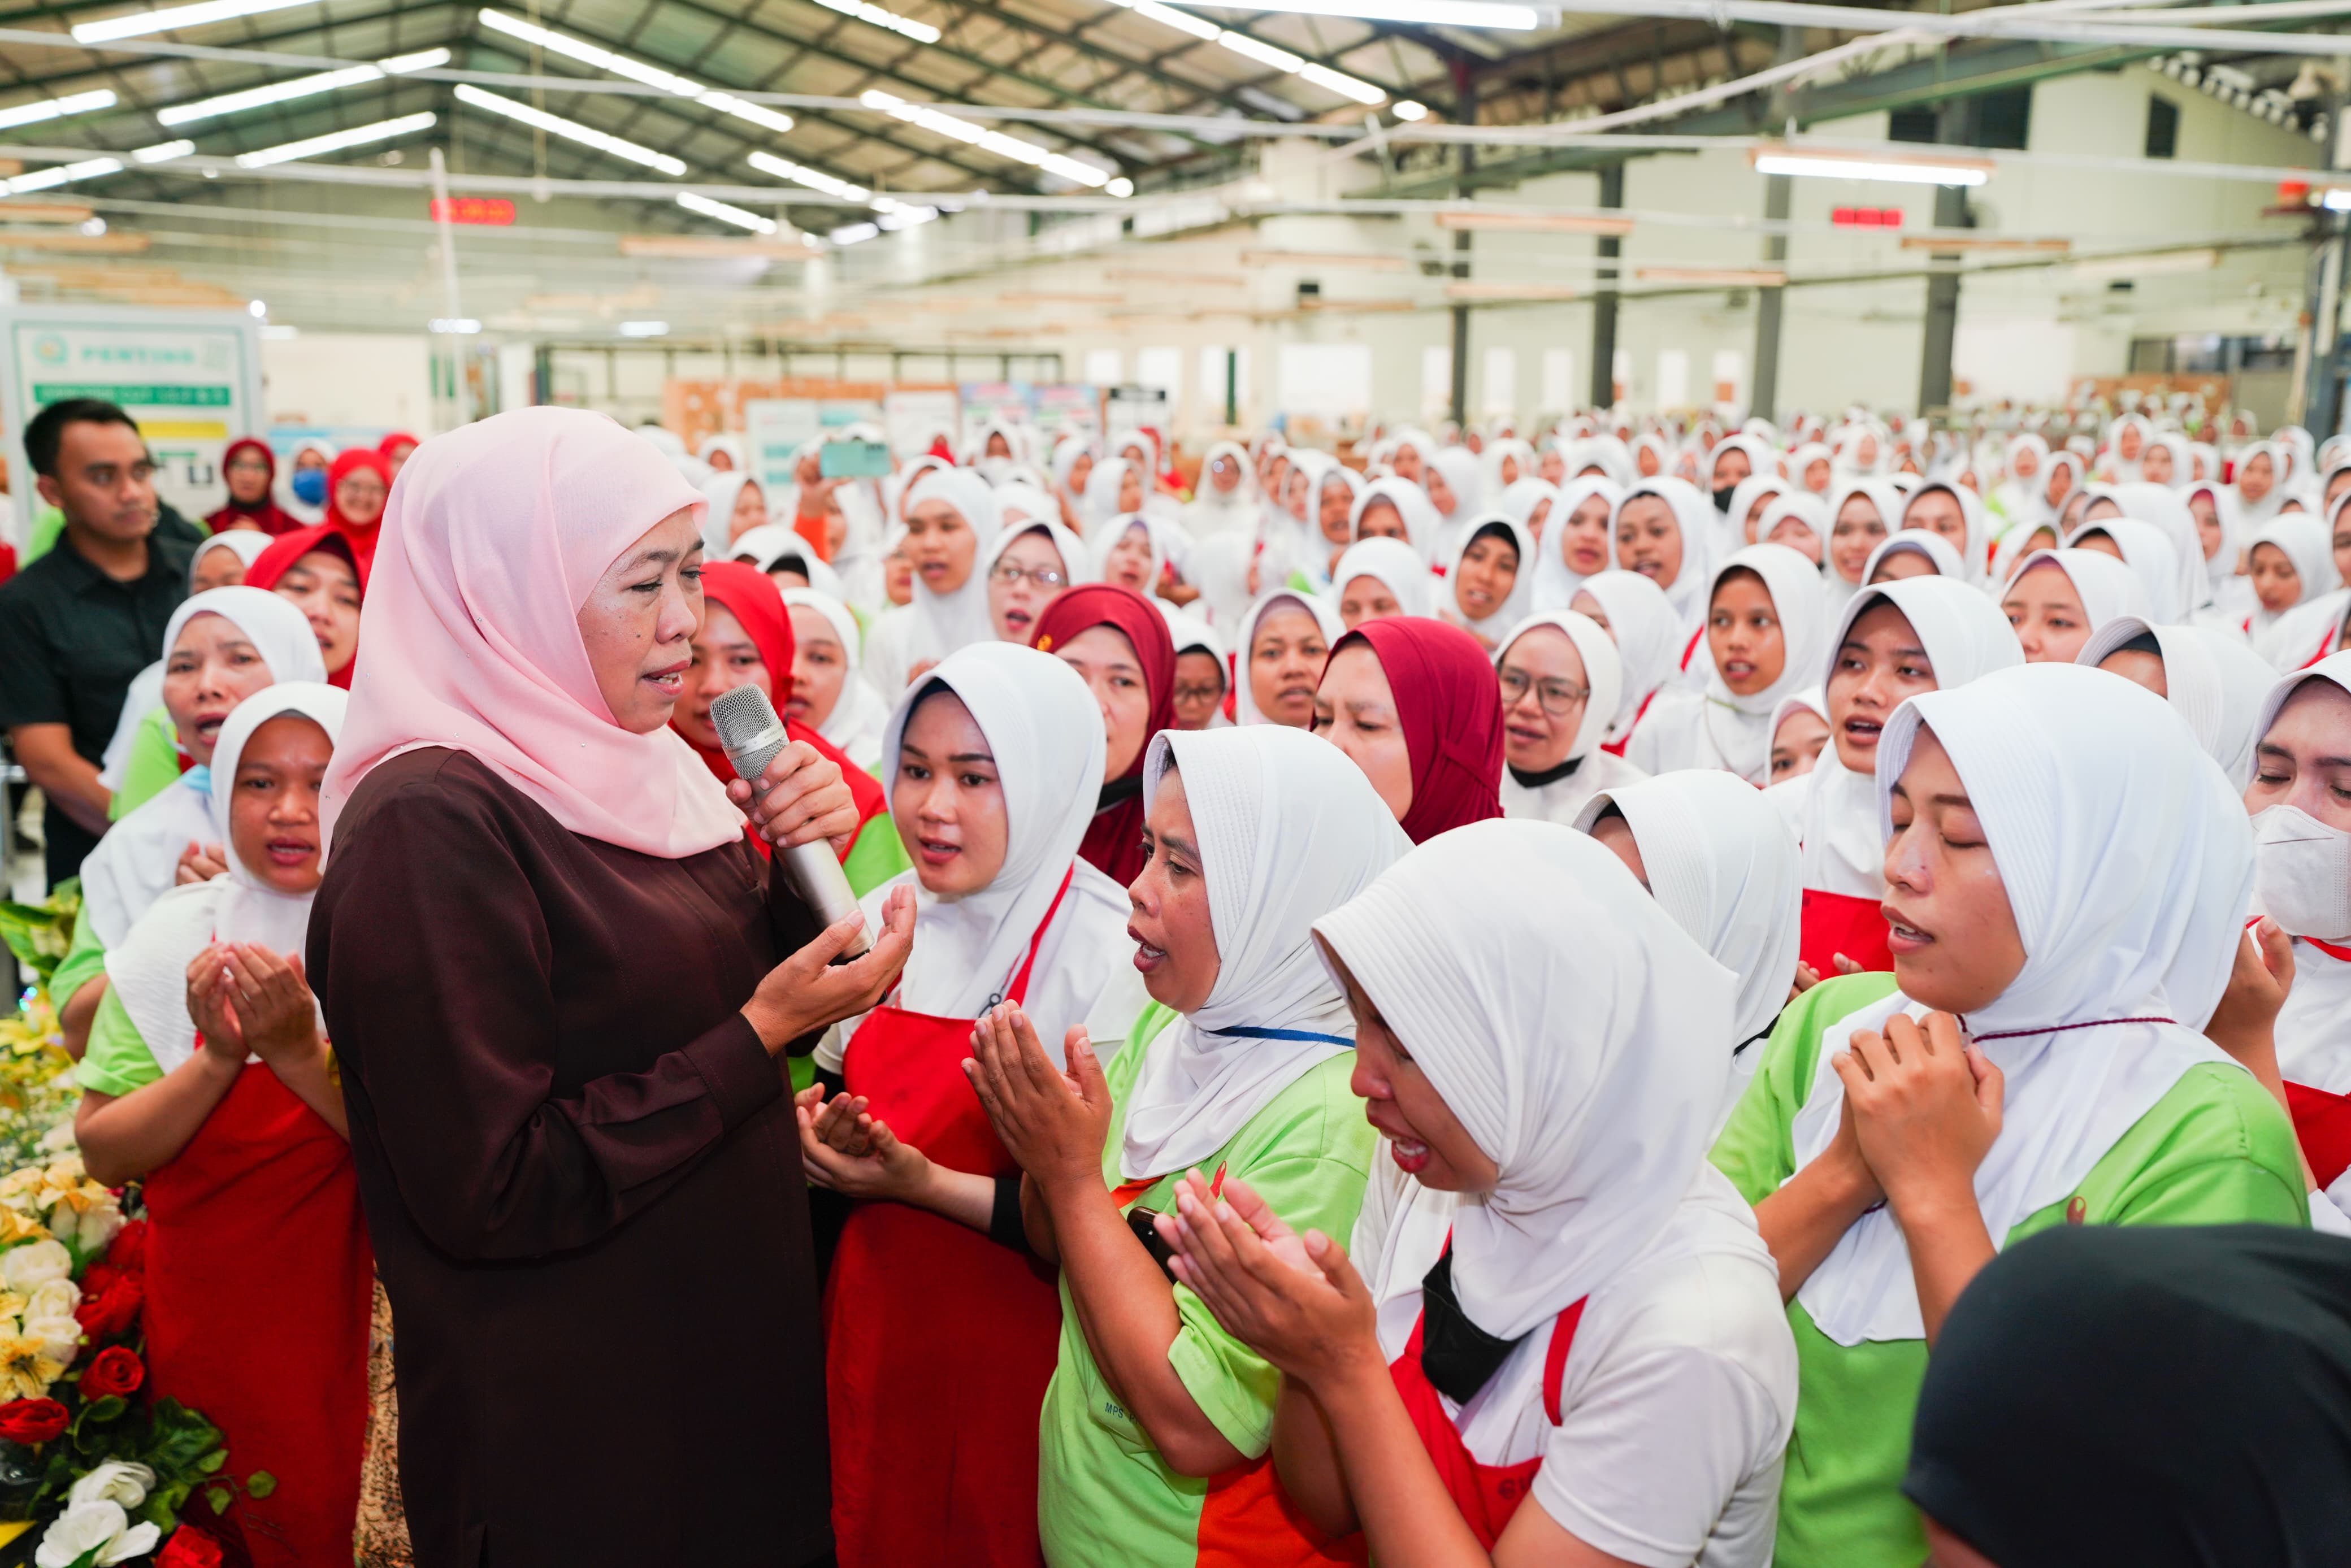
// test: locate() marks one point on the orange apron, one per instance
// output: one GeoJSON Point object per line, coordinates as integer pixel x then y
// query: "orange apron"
{"type": "Point", "coordinates": [940, 1340]}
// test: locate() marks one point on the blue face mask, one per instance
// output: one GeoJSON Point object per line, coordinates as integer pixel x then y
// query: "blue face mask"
{"type": "Point", "coordinates": [310, 485]}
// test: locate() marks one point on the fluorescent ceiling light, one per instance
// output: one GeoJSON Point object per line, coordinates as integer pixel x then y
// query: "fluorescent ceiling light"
{"type": "Point", "coordinates": [61, 174]}
{"type": "Point", "coordinates": [1406, 109]}
{"type": "Point", "coordinates": [644, 328]}
{"type": "Point", "coordinates": [853, 234]}
{"type": "Point", "coordinates": [1538, 223]}
{"type": "Point", "coordinates": [335, 141]}
{"type": "Point", "coordinates": [1341, 83]}
{"type": "Point", "coordinates": [897, 215]}
{"type": "Point", "coordinates": [300, 87]}
{"type": "Point", "coordinates": [570, 129]}
{"type": "Point", "coordinates": [1181, 21]}
{"type": "Point", "coordinates": [995, 142]}
{"type": "Point", "coordinates": [1279, 58]}
{"type": "Point", "coordinates": [726, 213]}
{"type": "Point", "coordinates": [41, 109]}
{"type": "Point", "coordinates": [163, 152]}
{"type": "Point", "coordinates": [462, 325]}
{"type": "Point", "coordinates": [907, 26]}
{"type": "Point", "coordinates": [603, 59]}
{"type": "Point", "coordinates": [2336, 200]}
{"type": "Point", "coordinates": [1900, 168]}
{"type": "Point", "coordinates": [1427, 13]}
{"type": "Point", "coordinates": [801, 174]}
{"type": "Point", "coordinates": [138, 23]}
{"type": "Point", "coordinates": [1263, 53]}
{"type": "Point", "coordinates": [1122, 186]}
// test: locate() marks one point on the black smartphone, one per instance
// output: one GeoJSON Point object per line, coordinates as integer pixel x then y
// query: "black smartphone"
{"type": "Point", "coordinates": [1144, 1223]}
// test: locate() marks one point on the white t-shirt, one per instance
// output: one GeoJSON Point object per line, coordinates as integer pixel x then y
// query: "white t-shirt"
{"type": "Point", "coordinates": [1676, 1398]}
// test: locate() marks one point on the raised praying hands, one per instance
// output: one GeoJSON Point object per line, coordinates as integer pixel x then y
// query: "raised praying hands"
{"type": "Point", "coordinates": [1295, 1299]}
{"type": "Point", "coordinates": [1052, 1121]}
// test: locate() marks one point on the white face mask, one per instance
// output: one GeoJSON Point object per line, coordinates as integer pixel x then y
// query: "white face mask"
{"type": "Point", "coordinates": [2302, 872]}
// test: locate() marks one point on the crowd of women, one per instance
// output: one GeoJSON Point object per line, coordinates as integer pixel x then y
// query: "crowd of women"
{"type": "Point", "coordinates": [1748, 881]}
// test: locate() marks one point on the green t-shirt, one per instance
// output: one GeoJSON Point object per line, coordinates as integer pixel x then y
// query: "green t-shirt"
{"type": "Point", "coordinates": [1104, 1495]}
{"type": "Point", "coordinates": [2216, 1150]}
{"type": "Point", "coordinates": [149, 767]}
{"type": "Point", "coordinates": [875, 856]}
{"type": "Point", "coordinates": [85, 961]}
{"type": "Point", "coordinates": [118, 1060]}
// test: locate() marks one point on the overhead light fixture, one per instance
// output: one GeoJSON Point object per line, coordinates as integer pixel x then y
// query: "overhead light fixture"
{"type": "Point", "coordinates": [995, 142]}
{"type": "Point", "coordinates": [335, 141]}
{"type": "Point", "coordinates": [1497, 292]}
{"type": "Point", "coordinates": [853, 234]}
{"type": "Point", "coordinates": [905, 27]}
{"type": "Point", "coordinates": [1538, 223]}
{"type": "Point", "coordinates": [257, 308]}
{"type": "Point", "coordinates": [636, 71]}
{"type": "Point", "coordinates": [1900, 167]}
{"type": "Point", "coordinates": [1267, 53]}
{"type": "Point", "coordinates": [644, 328]}
{"type": "Point", "coordinates": [725, 213]}
{"type": "Point", "coordinates": [2106, 268]}
{"type": "Point", "coordinates": [1425, 13]}
{"type": "Point", "coordinates": [163, 152]}
{"type": "Point", "coordinates": [138, 23]}
{"type": "Point", "coordinates": [896, 214]}
{"type": "Point", "coordinates": [801, 174]}
{"type": "Point", "coordinates": [2336, 199]}
{"type": "Point", "coordinates": [456, 326]}
{"type": "Point", "coordinates": [1727, 277]}
{"type": "Point", "coordinates": [41, 109]}
{"type": "Point", "coordinates": [301, 86]}
{"type": "Point", "coordinates": [57, 174]}
{"type": "Point", "coordinates": [571, 129]}
{"type": "Point", "coordinates": [1122, 186]}
{"type": "Point", "coordinates": [1405, 108]}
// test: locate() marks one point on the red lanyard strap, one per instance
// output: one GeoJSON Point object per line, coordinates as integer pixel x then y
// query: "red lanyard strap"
{"type": "Point", "coordinates": [1019, 990]}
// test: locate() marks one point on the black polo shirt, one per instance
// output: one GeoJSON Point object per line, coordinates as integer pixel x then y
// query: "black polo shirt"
{"type": "Point", "coordinates": [70, 640]}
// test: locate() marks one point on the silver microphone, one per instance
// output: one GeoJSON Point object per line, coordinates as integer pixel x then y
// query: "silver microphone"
{"type": "Point", "coordinates": [752, 735]}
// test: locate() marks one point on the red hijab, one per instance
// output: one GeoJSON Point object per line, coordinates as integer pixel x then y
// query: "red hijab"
{"type": "Point", "coordinates": [752, 596]}
{"type": "Point", "coordinates": [397, 438]}
{"type": "Point", "coordinates": [1451, 710]}
{"type": "Point", "coordinates": [264, 514]}
{"type": "Point", "coordinates": [287, 548]}
{"type": "Point", "coordinates": [360, 536]}
{"type": "Point", "coordinates": [1113, 841]}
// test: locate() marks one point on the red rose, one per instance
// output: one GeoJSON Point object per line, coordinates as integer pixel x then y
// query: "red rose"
{"type": "Point", "coordinates": [32, 1420]}
{"type": "Point", "coordinates": [98, 1278]}
{"type": "Point", "coordinates": [189, 1548]}
{"type": "Point", "coordinates": [112, 1371]}
{"type": "Point", "coordinates": [113, 1311]}
{"type": "Point", "coordinates": [129, 1252]}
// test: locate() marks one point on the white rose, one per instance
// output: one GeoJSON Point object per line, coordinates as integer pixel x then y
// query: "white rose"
{"type": "Point", "coordinates": [95, 1228]}
{"type": "Point", "coordinates": [136, 1542]}
{"type": "Point", "coordinates": [35, 1264]}
{"type": "Point", "coordinates": [113, 1481]}
{"type": "Point", "coordinates": [62, 1336]}
{"type": "Point", "coordinates": [83, 1527]}
{"type": "Point", "coordinates": [56, 1298]}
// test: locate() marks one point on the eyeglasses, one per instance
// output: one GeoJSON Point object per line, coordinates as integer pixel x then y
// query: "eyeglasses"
{"type": "Point", "coordinates": [249, 465]}
{"type": "Point", "coordinates": [1184, 694]}
{"type": "Point", "coordinates": [1043, 577]}
{"type": "Point", "coordinates": [1558, 697]}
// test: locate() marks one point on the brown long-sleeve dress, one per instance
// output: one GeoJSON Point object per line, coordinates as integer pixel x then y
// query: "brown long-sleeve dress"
{"type": "Point", "coordinates": [582, 1178]}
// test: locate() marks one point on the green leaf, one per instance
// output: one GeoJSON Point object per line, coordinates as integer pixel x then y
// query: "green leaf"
{"type": "Point", "coordinates": [106, 1409]}
{"type": "Point", "coordinates": [218, 1497]}
{"type": "Point", "coordinates": [87, 1559]}
{"type": "Point", "coordinates": [260, 1484]}
{"type": "Point", "coordinates": [212, 1461]}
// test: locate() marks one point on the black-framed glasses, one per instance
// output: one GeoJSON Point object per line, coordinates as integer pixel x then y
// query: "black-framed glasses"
{"type": "Point", "coordinates": [1007, 573]}
{"type": "Point", "coordinates": [1184, 694]}
{"type": "Point", "coordinates": [1558, 698]}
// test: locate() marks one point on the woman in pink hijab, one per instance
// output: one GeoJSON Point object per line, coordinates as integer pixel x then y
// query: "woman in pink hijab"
{"type": "Point", "coordinates": [556, 977]}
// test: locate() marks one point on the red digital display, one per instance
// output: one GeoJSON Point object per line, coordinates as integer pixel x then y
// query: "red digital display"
{"type": "Point", "coordinates": [493, 212]}
{"type": "Point", "coordinates": [1867, 218]}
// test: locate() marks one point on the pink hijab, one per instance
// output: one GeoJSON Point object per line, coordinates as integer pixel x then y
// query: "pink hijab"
{"type": "Point", "coordinates": [495, 536]}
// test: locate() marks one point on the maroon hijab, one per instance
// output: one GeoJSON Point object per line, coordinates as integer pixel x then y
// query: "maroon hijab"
{"type": "Point", "coordinates": [1113, 841]}
{"type": "Point", "coordinates": [1451, 710]}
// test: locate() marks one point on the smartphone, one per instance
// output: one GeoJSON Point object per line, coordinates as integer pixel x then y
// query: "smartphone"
{"type": "Point", "coordinates": [1143, 1222]}
{"type": "Point", "coordinates": [853, 460]}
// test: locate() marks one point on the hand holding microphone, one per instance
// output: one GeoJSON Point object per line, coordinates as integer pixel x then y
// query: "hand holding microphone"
{"type": "Point", "coordinates": [793, 796]}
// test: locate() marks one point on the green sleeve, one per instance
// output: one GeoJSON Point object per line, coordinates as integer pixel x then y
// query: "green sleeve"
{"type": "Point", "coordinates": [118, 1060]}
{"type": "Point", "coordinates": [876, 856]}
{"type": "Point", "coordinates": [149, 769]}
{"type": "Point", "coordinates": [85, 961]}
{"type": "Point", "coordinates": [1308, 1155]}
{"type": "Point", "coordinates": [1756, 1148]}
{"type": "Point", "coordinates": [48, 524]}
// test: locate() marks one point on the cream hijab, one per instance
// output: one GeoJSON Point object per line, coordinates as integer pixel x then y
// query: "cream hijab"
{"type": "Point", "coordinates": [939, 623]}
{"type": "Point", "coordinates": [2106, 587]}
{"type": "Point", "coordinates": [1582, 1070]}
{"type": "Point", "coordinates": [2128, 861]}
{"type": "Point", "coordinates": [855, 724]}
{"type": "Point", "coordinates": [1326, 616]}
{"type": "Point", "coordinates": [150, 969]}
{"type": "Point", "coordinates": [1045, 731]}
{"type": "Point", "coordinates": [1289, 830]}
{"type": "Point", "coordinates": [1734, 731]}
{"type": "Point", "coordinates": [1520, 597]}
{"type": "Point", "coordinates": [1554, 581]}
{"type": "Point", "coordinates": [2213, 682]}
{"type": "Point", "coordinates": [1647, 632]}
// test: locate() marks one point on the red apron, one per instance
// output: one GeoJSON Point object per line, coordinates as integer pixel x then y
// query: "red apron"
{"type": "Point", "coordinates": [2321, 1122]}
{"type": "Point", "coordinates": [259, 1281]}
{"type": "Point", "coordinates": [940, 1342]}
{"type": "Point", "coordinates": [1617, 747]}
{"type": "Point", "coordinates": [1487, 1495]}
{"type": "Point", "coordinates": [1837, 923]}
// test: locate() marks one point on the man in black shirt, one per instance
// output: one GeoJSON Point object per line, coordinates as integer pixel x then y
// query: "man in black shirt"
{"type": "Point", "coordinates": [78, 623]}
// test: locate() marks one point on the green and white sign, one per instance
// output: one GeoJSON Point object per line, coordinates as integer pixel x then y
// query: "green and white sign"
{"type": "Point", "coordinates": [191, 380]}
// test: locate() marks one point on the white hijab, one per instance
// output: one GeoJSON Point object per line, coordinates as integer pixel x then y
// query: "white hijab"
{"type": "Point", "coordinates": [772, 542]}
{"type": "Point", "coordinates": [246, 544]}
{"type": "Point", "coordinates": [1045, 731]}
{"type": "Point", "coordinates": [2213, 682]}
{"type": "Point", "coordinates": [1918, 542]}
{"type": "Point", "coordinates": [1734, 732]}
{"type": "Point", "coordinates": [1975, 560]}
{"type": "Point", "coordinates": [1518, 501]}
{"type": "Point", "coordinates": [1580, 1069]}
{"type": "Point", "coordinates": [721, 490]}
{"type": "Point", "coordinates": [1288, 829]}
{"type": "Point", "coordinates": [1394, 563]}
{"type": "Point", "coordinates": [859, 715]}
{"type": "Point", "coordinates": [1590, 767]}
{"type": "Point", "coordinates": [1212, 511]}
{"type": "Point", "coordinates": [936, 624]}
{"type": "Point", "coordinates": [1889, 504]}
{"type": "Point", "coordinates": [2310, 546]}
{"type": "Point", "coordinates": [1721, 864]}
{"type": "Point", "coordinates": [1762, 482]}
{"type": "Point", "coordinates": [2255, 513]}
{"type": "Point", "coordinates": [2127, 862]}
{"type": "Point", "coordinates": [149, 969]}
{"type": "Point", "coordinates": [2106, 587]}
{"type": "Point", "coordinates": [2151, 559]}
{"type": "Point", "coordinates": [1694, 516]}
{"type": "Point", "coordinates": [1326, 616]}
{"type": "Point", "coordinates": [1520, 599]}
{"type": "Point", "coordinates": [2313, 1045]}
{"type": "Point", "coordinates": [2166, 509]}
{"type": "Point", "coordinates": [1965, 637]}
{"type": "Point", "coordinates": [137, 860]}
{"type": "Point", "coordinates": [1465, 477]}
{"type": "Point", "coordinates": [1411, 503]}
{"type": "Point", "coordinates": [1555, 581]}
{"type": "Point", "coordinates": [1077, 562]}
{"type": "Point", "coordinates": [1648, 634]}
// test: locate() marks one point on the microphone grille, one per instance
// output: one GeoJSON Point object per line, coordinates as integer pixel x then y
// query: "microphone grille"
{"type": "Point", "coordinates": [740, 714]}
